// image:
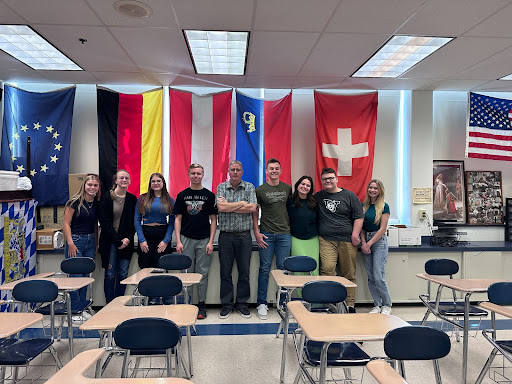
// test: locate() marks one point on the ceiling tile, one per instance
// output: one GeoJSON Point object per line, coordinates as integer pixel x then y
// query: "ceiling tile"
{"type": "Point", "coordinates": [9, 62]}
{"type": "Point", "coordinates": [269, 82]}
{"type": "Point", "coordinates": [209, 81]}
{"type": "Point", "coordinates": [317, 82]}
{"type": "Point", "coordinates": [498, 25]}
{"type": "Point", "coordinates": [7, 16]}
{"type": "Point", "coordinates": [455, 85]}
{"type": "Point", "coordinates": [293, 15]}
{"type": "Point", "coordinates": [278, 53]}
{"type": "Point", "coordinates": [340, 54]}
{"type": "Point", "coordinates": [364, 83]}
{"type": "Point", "coordinates": [23, 76]}
{"type": "Point", "coordinates": [450, 18]}
{"type": "Point", "coordinates": [409, 84]}
{"type": "Point", "coordinates": [370, 16]}
{"type": "Point", "coordinates": [72, 77]}
{"type": "Point", "coordinates": [495, 85]}
{"type": "Point", "coordinates": [64, 12]}
{"type": "Point", "coordinates": [489, 69]}
{"type": "Point", "coordinates": [122, 78]}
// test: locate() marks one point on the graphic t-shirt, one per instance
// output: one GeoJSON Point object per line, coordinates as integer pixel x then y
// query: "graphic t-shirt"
{"type": "Point", "coordinates": [195, 206]}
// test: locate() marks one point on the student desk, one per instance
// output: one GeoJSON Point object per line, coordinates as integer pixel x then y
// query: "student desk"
{"type": "Point", "coordinates": [187, 279]}
{"type": "Point", "coordinates": [14, 322]}
{"type": "Point", "coordinates": [467, 287]}
{"type": "Point", "coordinates": [65, 285]}
{"type": "Point", "coordinates": [290, 283]}
{"type": "Point", "coordinates": [73, 373]}
{"type": "Point", "coordinates": [384, 373]}
{"type": "Point", "coordinates": [114, 313]}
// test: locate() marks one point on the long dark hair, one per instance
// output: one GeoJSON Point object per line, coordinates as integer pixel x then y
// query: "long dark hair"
{"type": "Point", "coordinates": [146, 200]}
{"type": "Point", "coordinates": [309, 197]}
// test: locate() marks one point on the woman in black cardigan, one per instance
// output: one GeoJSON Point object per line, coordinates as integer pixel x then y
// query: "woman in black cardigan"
{"type": "Point", "coordinates": [117, 209]}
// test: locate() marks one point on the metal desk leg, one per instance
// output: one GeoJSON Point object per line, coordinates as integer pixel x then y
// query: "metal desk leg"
{"type": "Point", "coordinates": [465, 340]}
{"type": "Point", "coordinates": [189, 341]}
{"type": "Point", "coordinates": [323, 362]}
{"type": "Point", "coordinates": [285, 337]}
{"type": "Point", "coordinates": [70, 325]}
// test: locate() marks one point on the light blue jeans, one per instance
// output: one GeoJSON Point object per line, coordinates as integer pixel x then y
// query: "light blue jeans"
{"type": "Point", "coordinates": [375, 265]}
{"type": "Point", "coordinates": [86, 247]}
{"type": "Point", "coordinates": [280, 244]}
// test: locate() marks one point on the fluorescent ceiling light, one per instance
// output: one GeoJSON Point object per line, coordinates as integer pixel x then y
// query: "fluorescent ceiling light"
{"type": "Point", "coordinates": [24, 44]}
{"type": "Point", "coordinates": [508, 77]}
{"type": "Point", "coordinates": [400, 54]}
{"type": "Point", "coordinates": [218, 52]}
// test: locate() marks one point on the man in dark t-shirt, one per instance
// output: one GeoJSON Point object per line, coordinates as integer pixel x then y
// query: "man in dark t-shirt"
{"type": "Point", "coordinates": [339, 224]}
{"type": "Point", "coordinates": [195, 226]}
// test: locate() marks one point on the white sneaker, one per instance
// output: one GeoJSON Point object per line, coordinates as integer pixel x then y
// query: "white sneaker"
{"type": "Point", "coordinates": [375, 309]}
{"type": "Point", "coordinates": [86, 315]}
{"type": "Point", "coordinates": [262, 311]}
{"type": "Point", "coordinates": [386, 310]}
{"type": "Point", "coordinates": [78, 319]}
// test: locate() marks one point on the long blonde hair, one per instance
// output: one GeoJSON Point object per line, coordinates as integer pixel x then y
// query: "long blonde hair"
{"type": "Point", "coordinates": [79, 196]}
{"type": "Point", "coordinates": [379, 204]}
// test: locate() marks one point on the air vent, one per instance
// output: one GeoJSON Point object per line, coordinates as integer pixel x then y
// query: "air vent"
{"type": "Point", "coordinates": [134, 9]}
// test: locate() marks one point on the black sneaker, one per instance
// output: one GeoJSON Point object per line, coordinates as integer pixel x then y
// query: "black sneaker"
{"type": "Point", "coordinates": [201, 314]}
{"type": "Point", "coordinates": [244, 311]}
{"type": "Point", "coordinates": [225, 311]}
{"type": "Point", "coordinates": [351, 309]}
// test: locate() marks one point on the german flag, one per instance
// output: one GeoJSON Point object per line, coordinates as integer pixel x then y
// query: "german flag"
{"type": "Point", "coordinates": [129, 136]}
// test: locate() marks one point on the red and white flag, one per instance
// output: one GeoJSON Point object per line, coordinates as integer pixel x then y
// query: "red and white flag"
{"type": "Point", "coordinates": [345, 138]}
{"type": "Point", "coordinates": [200, 133]}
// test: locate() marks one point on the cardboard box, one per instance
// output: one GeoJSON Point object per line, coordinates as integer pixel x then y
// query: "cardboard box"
{"type": "Point", "coordinates": [402, 235]}
{"type": "Point", "coordinates": [392, 234]}
{"type": "Point", "coordinates": [44, 238]}
{"type": "Point", "coordinates": [9, 180]}
{"type": "Point", "coordinates": [50, 217]}
{"type": "Point", "coordinates": [75, 181]}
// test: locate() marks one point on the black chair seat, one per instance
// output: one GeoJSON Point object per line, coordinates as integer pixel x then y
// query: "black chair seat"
{"type": "Point", "coordinates": [505, 344]}
{"type": "Point", "coordinates": [61, 308]}
{"type": "Point", "coordinates": [449, 308]}
{"type": "Point", "coordinates": [21, 352]}
{"type": "Point", "coordinates": [338, 354]}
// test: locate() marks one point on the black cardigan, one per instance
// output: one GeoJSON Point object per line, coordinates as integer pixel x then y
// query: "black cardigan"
{"type": "Point", "coordinates": [126, 227]}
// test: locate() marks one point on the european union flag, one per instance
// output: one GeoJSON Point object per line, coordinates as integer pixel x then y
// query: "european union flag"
{"type": "Point", "coordinates": [47, 119]}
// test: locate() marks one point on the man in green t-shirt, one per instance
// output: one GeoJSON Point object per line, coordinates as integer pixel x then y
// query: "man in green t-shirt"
{"type": "Point", "coordinates": [273, 234]}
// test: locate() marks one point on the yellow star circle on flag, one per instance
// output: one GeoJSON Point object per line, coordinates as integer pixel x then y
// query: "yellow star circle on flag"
{"type": "Point", "coordinates": [20, 168]}
{"type": "Point", "coordinates": [37, 126]}
{"type": "Point", "coordinates": [24, 128]}
{"type": "Point", "coordinates": [49, 129]}
{"type": "Point", "coordinates": [44, 168]}
{"type": "Point", "coordinates": [33, 172]}
{"type": "Point", "coordinates": [54, 159]}
{"type": "Point", "coordinates": [55, 135]}
{"type": "Point", "coordinates": [16, 136]}
{"type": "Point", "coordinates": [58, 146]}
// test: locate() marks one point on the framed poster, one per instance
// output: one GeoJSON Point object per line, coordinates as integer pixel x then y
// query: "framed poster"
{"type": "Point", "coordinates": [485, 198]}
{"type": "Point", "coordinates": [448, 188]}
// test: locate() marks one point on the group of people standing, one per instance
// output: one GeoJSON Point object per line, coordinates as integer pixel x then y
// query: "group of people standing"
{"type": "Point", "coordinates": [328, 226]}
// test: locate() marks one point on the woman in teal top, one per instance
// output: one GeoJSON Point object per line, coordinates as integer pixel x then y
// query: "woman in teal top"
{"type": "Point", "coordinates": [375, 245]}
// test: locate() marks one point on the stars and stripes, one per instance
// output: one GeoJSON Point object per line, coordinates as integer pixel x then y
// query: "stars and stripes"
{"type": "Point", "coordinates": [489, 129]}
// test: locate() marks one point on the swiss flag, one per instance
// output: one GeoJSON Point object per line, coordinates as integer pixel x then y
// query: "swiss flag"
{"type": "Point", "coordinates": [345, 138]}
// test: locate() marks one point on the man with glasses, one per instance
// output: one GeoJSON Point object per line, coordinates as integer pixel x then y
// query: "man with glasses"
{"type": "Point", "coordinates": [339, 224]}
{"type": "Point", "coordinates": [236, 201]}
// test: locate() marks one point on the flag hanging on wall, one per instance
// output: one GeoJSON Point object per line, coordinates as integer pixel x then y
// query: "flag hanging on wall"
{"type": "Point", "coordinates": [129, 136]}
{"type": "Point", "coordinates": [489, 130]}
{"type": "Point", "coordinates": [46, 118]}
{"type": "Point", "coordinates": [263, 131]}
{"type": "Point", "coordinates": [345, 138]}
{"type": "Point", "coordinates": [200, 133]}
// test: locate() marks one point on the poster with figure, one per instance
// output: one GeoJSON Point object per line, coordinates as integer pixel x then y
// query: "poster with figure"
{"type": "Point", "coordinates": [485, 199]}
{"type": "Point", "coordinates": [448, 191]}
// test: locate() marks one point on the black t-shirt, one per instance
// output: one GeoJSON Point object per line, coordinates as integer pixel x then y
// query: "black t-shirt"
{"type": "Point", "coordinates": [85, 218]}
{"type": "Point", "coordinates": [195, 206]}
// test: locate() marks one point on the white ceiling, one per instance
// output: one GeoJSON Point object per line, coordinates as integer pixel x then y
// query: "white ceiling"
{"type": "Point", "coordinates": [293, 43]}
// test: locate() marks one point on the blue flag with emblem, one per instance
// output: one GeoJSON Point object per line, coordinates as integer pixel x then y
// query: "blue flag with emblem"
{"type": "Point", "coordinates": [45, 118]}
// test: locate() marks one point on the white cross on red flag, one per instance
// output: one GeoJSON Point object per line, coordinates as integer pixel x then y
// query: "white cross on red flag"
{"type": "Point", "coordinates": [345, 138]}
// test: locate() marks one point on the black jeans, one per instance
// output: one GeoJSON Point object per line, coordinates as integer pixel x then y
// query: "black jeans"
{"type": "Point", "coordinates": [234, 246]}
{"type": "Point", "coordinates": [154, 234]}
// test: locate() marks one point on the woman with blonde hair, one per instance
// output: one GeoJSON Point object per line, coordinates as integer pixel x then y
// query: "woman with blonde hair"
{"type": "Point", "coordinates": [154, 222]}
{"type": "Point", "coordinates": [80, 225]}
{"type": "Point", "coordinates": [375, 245]}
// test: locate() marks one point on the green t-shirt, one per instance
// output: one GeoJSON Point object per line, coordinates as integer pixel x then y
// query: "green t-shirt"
{"type": "Point", "coordinates": [369, 218]}
{"type": "Point", "coordinates": [272, 201]}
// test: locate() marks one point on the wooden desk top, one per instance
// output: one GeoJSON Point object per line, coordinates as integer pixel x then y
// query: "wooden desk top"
{"type": "Point", "coordinates": [186, 278]}
{"type": "Point", "coordinates": [499, 309]}
{"type": "Point", "coordinates": [384, 373]}
{"type": "Point", "coordinates": [64, 283]}
{"type": "Point", "coordinates": [13, 322]}
{"type": "Point", "coordinates": [73, 373]}
{"type": "Point", "coordinates": [298, 281]}
{"type": "Point", "coordinates": [343, 327]}
{"type": "Point", "coordinates": [115, 312]}
{"type": "Point", "coordinates": [463, 285]}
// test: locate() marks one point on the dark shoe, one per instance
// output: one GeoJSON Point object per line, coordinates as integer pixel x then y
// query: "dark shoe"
{"type": "Point", "coordinates": [224, 313]}
{"type": "Point", "coordinates": [201, 314]}
{"type": "Point", "coordinates": [244, 311]}
{"type": "Point", "coordinates": [351, 310]}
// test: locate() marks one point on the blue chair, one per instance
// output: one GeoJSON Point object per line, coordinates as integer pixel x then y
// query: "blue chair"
{"type": "Point", "coordinates": [339, 355]}
{"type": "Point", "coordinates": [453, 308]}
{"type": "Point", "coordinates": [291, 265]}
{"type": "Point", "coordinates": [417, 343]}
{"type": "Point", "coordinates": [499, 294]}
{"type": "Point", "coordinates": [15, 352]}
{"type": "Point", "coordinates": [177, 262]}
{"type": "Point", "coordinates": [159, 288]}
{"type": "Point", "coordinates": [149, 337]}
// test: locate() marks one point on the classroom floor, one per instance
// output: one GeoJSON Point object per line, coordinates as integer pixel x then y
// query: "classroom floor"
{"type": "Point", "coordinates": [237, 350]}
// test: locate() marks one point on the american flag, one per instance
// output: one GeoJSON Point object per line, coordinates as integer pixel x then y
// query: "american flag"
{"type": "Point", "coordinates": [489, 130]}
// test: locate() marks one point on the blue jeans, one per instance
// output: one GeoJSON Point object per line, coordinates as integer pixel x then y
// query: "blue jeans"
{"type": "Point", "coordinates": [86, 247]}
{"type": "Point", "coordinates": [116, 271]}
{"type": "Point", "coordinates": [280, 244]}
{"type": "Point", "coordinates": [375, 265]}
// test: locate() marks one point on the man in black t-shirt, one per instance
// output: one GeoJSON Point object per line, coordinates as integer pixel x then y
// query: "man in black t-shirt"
{"type": "Point", "coordinates": [195, 226]}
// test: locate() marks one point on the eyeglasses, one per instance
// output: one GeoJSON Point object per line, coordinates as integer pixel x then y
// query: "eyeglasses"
{"type": "Point", "coordinates": [123, 177]}
{"type": "Point", "coordinates": [235, 170]}
{"type": "Point", "coordinates": [332, 178]}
